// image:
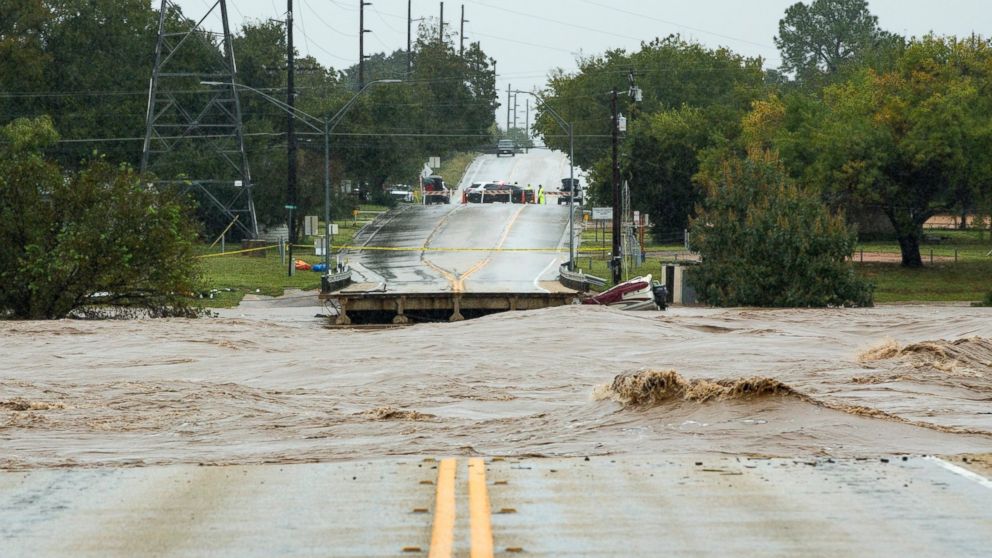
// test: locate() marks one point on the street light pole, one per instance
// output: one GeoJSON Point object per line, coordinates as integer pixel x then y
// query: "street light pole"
{"type": "Point", "coordinates": [328, 125]}
{"type": "Point", "coordinates": [567, 126]}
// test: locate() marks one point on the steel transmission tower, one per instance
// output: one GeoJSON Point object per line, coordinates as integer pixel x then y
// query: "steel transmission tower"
{"type": "Point", "coordinates": [194, 137]}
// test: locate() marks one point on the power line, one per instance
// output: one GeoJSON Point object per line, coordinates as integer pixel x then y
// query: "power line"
{"type": "Point", "coordinates": [676, 24]}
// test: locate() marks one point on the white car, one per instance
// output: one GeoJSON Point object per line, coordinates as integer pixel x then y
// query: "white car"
{"type": "Point", "coordinates": [402, 193]}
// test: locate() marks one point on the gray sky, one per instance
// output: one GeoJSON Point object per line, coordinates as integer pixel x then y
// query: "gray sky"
{"type": "Point", "coordinates": [528, 38]}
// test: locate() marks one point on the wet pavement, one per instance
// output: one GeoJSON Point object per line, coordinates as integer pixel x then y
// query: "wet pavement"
{"type": "Point", "coordinates": [486, 248]}
{"type": "Point", "coordinates": [628, 506]}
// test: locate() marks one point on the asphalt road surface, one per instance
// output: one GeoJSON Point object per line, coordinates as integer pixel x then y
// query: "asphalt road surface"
{"type": "Point", "coordinates": [469, 507]}
{"type": "Point", "coordinates": [487, 248]}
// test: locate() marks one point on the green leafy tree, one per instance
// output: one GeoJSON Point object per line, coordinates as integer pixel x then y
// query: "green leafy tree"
{"type": "Point", "coordinates": [693, 101]}
{"type": "Point", "coordinates": [97, 236]}
{"type": "Point", "coordinates": [767, 241]}
{"type": "Point", "coordinates": [913, 142]}
{"type": "Point", "coordinates": [821, 38]}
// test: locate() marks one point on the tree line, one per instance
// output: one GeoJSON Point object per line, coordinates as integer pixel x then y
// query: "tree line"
{"type": "Point", "coordinates": [878, 127]}
{"type": "Point", "coordinates": [80, 228]}
{"type": "Point", "coordinates": [87, 64]}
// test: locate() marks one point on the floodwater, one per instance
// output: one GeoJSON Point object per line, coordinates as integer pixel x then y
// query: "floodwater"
{"type": "Point", "coordinates": [267, 383]}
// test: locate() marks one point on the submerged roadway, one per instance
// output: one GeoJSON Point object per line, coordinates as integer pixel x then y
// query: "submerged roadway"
{"type": "Point", "coordinates": [456, 248]}
{"type": "Point", "coordinates": [449, 262]}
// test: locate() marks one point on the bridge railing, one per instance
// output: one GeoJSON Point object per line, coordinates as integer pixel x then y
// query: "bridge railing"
{"type": "Point", "coordinates": [577, 280]}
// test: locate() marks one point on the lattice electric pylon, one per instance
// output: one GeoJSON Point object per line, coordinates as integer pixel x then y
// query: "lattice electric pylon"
{"type": "Point", "coordinates": [194, 137]}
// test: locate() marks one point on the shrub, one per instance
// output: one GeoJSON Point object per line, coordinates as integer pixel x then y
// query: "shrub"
{"type": "Point", "coordinates": [99, 236]}
{"type": "Point", "coordinates": [766, 241]}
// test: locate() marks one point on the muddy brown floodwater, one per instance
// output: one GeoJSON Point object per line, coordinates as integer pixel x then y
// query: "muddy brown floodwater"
{"type": "Point", "coordinates": [268, 383]}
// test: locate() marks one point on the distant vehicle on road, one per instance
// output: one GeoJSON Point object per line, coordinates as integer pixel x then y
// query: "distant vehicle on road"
{"type": "Point", "coordinates": [498, 192]}
{"type": "Point", "coordinates": [508, 147]}
{"type": "Point", "coordinates": [570, 187]}
{"type": "Point", "coordinates": [401, 193]}
{"type": "Point", "coordinates": [436, 191]}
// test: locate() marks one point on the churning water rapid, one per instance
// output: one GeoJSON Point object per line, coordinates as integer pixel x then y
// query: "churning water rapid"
{"type": "Point", "coordinates": [268, 383]}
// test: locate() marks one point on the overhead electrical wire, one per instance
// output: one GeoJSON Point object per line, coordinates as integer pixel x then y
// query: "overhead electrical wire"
{"type": "Point", "coordinates": [677, 24]}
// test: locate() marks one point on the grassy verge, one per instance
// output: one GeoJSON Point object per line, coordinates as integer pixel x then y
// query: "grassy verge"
{"type": "Point", "coordinates": [230, 276]}
{"type": "Point", "coordinates": [453, 168]}
{"type": "Point", "coordinates": [966, 279]}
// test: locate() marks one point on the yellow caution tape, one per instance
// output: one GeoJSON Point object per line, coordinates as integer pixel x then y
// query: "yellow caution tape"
{"type": "Point", "coordinates": [238, 252]}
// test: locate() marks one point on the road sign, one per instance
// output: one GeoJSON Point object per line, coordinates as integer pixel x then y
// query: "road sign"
{"type": "Point", "coordinates": [435, 163]}
{"type": "Point", "coordinates": [310, 225]}
{"type": "Point", "coordinates": [602, 213]}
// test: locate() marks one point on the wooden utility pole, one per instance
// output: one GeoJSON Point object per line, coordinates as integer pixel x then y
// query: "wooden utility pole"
{"type": "Point", "coordinates": [527, 115]}
{"type": "Point", "coordinates": [290, 133]}
{"type": "Point", "coordinates": [461, 34]}
{"type": "Point", "coordinates": [361, 42]}
{"type": "Point", "coordinates": [441, 27]}
{"type": "Point", "coordinates": [617, 209]}
{"type": "Point", "coordinates": [509, 90]}
{"type": "Point", "coordinates": [409, 38]}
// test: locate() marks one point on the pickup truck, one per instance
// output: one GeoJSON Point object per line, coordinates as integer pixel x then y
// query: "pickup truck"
{"type": "Point", "coordinates": [567, 187]}
{"type": "Point", "coordinates": [436, 191]}
{"type": "Point", "coordinates": [507, 147]}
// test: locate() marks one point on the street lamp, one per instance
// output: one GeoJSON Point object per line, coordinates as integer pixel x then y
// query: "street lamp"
{"type": "Point", "coordinates": [324, 126]}
{"type": "Point", "coordinates": [567, 126]}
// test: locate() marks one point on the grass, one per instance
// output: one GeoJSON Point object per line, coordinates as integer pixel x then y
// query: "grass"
{"type": "Point", "coordinates": [966, 281]}
{"type": "Point", "coordinates": [453, 168]}
{"type": "Point", "coordinates": [229, 277]}
{"type": "Point", "coordinates": [969, 279]}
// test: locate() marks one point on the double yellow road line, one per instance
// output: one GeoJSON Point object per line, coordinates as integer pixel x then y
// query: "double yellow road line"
{"type": "Point", "coordinates": [480, 518]}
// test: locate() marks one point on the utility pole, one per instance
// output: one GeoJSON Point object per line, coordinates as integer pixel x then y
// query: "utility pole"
{"type": "Point", "coordinates": [361, 42]}
{"type": "Point", "coordinates": [441, 27]}
{"type": "Point", "coordinates": [461, 35]}
{"type": "Point", "coordinates": [515, 98]}
{"type": "Point", "coordinates": [617, 216]}
{"type": "Point", "coordinates": [509, 89]}
{"type": "Point", "coordinates": [409, 38]}
{"type": "Point", "coordinates": [291, 133]}
{"type": "Point", "coordinates": [527, 115]}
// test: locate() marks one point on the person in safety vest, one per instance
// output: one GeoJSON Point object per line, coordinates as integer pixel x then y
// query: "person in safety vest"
{"type": "Point", "coordinates": [540, 194]}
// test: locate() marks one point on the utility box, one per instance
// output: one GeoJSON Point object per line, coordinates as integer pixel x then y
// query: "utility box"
{"type": "Point", "coordinates": [679, 290]}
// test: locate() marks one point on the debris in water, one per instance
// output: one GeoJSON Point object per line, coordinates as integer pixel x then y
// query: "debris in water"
{"type": "Point", "coordinates": [21, 405]}
{"type": "Point", "coordinates": [392, 413]}
{"type": "Point", "coordinates": [652, 387]}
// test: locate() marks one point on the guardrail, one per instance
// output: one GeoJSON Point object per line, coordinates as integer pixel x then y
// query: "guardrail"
{"type": "Point", "coordinates": [336, 281]}
{"type": "Point", "coordinates": [577, 280]}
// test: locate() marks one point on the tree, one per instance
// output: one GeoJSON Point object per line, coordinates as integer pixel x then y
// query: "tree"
{"type": "Point", "coordinates": [694, 98]}
{"type": "Point", "coordinates": [913, 142]}
{"type": "Point", "coordinates": [69, 240]}
{"type": "Point", "coordinates": [821, 38]}
{"type": "Point", "coordinates": [767, 241]}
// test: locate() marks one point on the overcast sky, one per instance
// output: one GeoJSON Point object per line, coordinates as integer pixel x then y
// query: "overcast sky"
{"type": "Point", "coordinates": [529, 38]}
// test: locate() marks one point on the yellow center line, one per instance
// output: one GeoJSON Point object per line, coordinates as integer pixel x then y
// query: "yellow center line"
{"type": "Point", "coordinates": [460, 285]}
{"type": "Point", "coordinates": [458, 281]}
{"type": "Point", "coordinates": [443, 532]}
{"type": "Point", "coordinates": [479, 512]}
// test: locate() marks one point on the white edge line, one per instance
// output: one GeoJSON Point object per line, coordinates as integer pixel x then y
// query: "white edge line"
{"type": "Point", "coordinates": [970, 475]}
{"type": "Point", "coordinates": [537, 279]}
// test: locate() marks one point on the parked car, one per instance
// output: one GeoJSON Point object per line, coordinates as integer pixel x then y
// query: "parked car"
{"type": "Point", "coordinates": [401, 193]}
{"type": "Point", "coordinates": [508, 147]}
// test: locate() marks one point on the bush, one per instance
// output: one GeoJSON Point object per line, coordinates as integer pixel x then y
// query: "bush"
{"type": "Point", "coordinates": [69, 241]}
{"type": "Point", "coordinates": [765, 241]}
